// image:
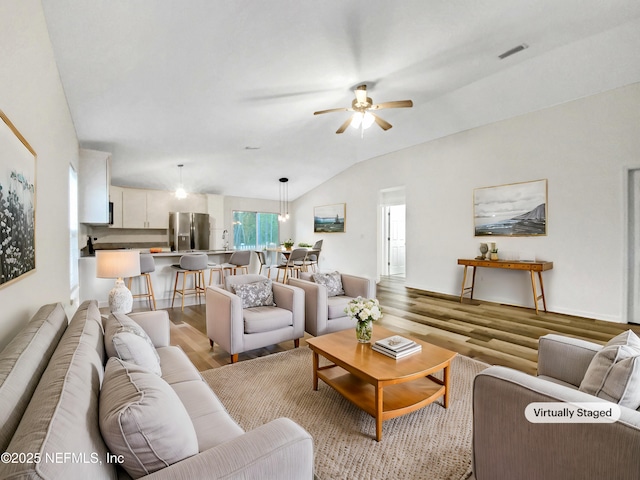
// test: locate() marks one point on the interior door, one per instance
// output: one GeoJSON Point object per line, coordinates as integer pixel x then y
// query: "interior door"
{"type": "Point", "coordinates": [397, 240]}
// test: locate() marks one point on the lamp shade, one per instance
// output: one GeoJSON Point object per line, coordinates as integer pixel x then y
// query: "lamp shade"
{"type": "Point", "coordinates": [117, 263]}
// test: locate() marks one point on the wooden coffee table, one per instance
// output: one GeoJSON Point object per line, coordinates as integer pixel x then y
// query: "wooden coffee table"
{"type": "Point", "coordinates": [381, 386]}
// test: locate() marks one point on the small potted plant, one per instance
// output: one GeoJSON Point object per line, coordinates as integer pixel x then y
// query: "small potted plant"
{"type": "Point", "coordinates": [287, 244]}
{"type": "Point", "coordinates": [494, 254]}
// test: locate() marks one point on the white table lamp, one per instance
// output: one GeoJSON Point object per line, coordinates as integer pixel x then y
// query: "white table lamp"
{"type": "Point", "coordinates": [118, 264]}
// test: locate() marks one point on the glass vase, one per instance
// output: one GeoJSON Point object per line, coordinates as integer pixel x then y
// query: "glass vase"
{"type": "Point", "coordinates": [364, 331]}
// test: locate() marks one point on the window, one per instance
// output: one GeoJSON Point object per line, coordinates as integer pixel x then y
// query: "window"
{"type": "Point", "coordinates": [254, 230]}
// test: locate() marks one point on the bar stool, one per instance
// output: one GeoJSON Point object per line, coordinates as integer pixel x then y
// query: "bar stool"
{"type": "Point", "coordinates": [147, 265]}
{"type": "Point", "coordinates": [238, 260]}
{"type": "Point", "coordinates": [213, 267]}
{"type": "Point", "coordinates": [190, 264]}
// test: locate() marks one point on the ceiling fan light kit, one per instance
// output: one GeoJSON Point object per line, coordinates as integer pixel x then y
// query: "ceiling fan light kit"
{"type": "Point", "coordinates": [362, 107]}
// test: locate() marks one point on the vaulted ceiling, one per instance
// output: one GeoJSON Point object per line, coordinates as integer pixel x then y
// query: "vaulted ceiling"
{"type": "Point", "coordinates": [228, 88]}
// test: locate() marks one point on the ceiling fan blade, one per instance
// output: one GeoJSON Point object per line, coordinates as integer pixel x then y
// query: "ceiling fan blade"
{"type": "Point", "coordinates": [344, 126]}
{"type": "Point", "coordinates": [333, 110]}
{"type": "Point", "coordinates": [383, 123]}
{"type": "Point", "coordinates": [396, 104]}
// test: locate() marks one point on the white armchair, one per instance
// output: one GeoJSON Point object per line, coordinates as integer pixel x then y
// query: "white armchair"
{"type": "Point", "coordinates": [238, 329]}
{"type": "Point", "coordinates": [325, 314]}
{"type": "Point", "coordinates": [507, 446]}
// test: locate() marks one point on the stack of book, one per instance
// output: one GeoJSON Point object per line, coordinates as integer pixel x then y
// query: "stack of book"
{"type": "Point", "coordinates": [396, 346]}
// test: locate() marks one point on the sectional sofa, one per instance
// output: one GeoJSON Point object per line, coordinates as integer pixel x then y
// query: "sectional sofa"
{"type": "Point", "coordinates": [74, 404]}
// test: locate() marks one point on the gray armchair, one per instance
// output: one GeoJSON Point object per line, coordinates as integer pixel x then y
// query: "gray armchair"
{"type": "Point", "coordinates": [507, 446]}
{"type": "Point", "coordinates": [238, 330]}
{"type": "Point", "coordinates": [324, 314]}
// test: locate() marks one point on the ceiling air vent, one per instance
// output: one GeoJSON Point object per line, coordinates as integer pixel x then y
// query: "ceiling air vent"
{"type": "Point", "coordinates": [513, 51]}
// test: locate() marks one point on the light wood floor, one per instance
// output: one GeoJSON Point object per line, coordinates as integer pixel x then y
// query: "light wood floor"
{"type": "Point", "coordinates": [496, 334]}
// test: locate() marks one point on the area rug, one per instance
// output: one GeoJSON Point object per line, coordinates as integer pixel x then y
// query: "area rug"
{"type": "Point", "coordinates": [433, 443]}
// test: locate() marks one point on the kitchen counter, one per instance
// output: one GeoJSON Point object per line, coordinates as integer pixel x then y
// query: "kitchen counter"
{"type": "Point", "coordinates": [163, 278]}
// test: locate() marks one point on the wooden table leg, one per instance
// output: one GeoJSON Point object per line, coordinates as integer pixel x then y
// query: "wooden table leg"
{"type": "Point", "coordinates": [315, 370]}
{"type": "Point", "coordinates": [464, 281]}
{"type": "Point", "coordinates": [473, 282]}
{"type": "Point", "coordinates": [544, 300]}
{"type": "Point", "coordinates": [379, 407]}
{"type": "Point", "coordinates": [447, 378]}
{"type": "Point", "coordinates": [533, 287]}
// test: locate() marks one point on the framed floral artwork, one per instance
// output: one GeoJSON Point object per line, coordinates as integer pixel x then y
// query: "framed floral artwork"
{"type": "Point", "coordinates": [517, 209]}
{"type": "Point", "coordinates": [329, 218]}
{"type": "Point", "coordinates": [17, 203]}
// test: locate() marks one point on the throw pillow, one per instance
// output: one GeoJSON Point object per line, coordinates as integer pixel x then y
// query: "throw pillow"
{"type": "Point", "coordinates": [614, 372]}
{"type": "Point", "coordinates": [121, 323]}
{"type": "Point", "coordinates": [333, 282]}
{"type": "Point", "coordinates": [142, 419]}
{"type": "Point", "coordinates": [134, 349]}
{"type": "Point", "coordinates": [256, 294]}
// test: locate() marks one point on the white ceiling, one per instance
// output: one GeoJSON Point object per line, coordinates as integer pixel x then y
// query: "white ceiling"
{"type": "Point", "coordinates": [228, 88]}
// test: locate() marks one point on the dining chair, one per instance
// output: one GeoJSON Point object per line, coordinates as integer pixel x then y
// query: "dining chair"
{"type": "Point", "coordinates": [293, 264]}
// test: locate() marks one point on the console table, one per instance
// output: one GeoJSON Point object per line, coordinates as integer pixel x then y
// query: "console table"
{"type": "Point", "coordinates": [531, 267]}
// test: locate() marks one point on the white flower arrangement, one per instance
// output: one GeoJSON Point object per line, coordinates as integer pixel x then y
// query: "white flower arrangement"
{"type": "Point", "coordinates": [364, 310]}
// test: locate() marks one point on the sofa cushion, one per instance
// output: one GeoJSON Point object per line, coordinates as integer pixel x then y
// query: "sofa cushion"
{"type": "Point", "coordinates": [336, 306]}
{"type": "Point", "coordinates": [266, 319]}
{"type": "Point", "coordinates": [256, 294]}
{"type": "Point", "coordinates": [142, 419]}
{"type": "Point", "coordinates": [120, 323]}
{"type": "Point", "coordinates": [176, 366]}
{"type": "Point", "coordinates": [22, 363]}
{"type": "Point", "coordinates": [614, 372]}
{"type": "Point", "coordinates": [210, 419]}
{"type": "Point", "coordinates": [333, 282]}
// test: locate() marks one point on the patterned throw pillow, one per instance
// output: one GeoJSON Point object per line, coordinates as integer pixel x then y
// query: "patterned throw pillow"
{"type": "Point", "coordinates": [614, 372]}
{"type": "Point", "coordinates": [256, 294]}
{"type": "Point", "coordinates": [333, 282]}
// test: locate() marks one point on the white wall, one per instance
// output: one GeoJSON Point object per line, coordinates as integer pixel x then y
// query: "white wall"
{"type": "Point", "coordinates": [32, 97]}
{"type": "Point", "coordinates": [583, 148]}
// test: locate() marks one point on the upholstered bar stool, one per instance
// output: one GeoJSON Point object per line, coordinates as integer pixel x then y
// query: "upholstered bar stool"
{"type": "Point", "coordinates": [193, 264]}
{"type": "Point", "coordinates": [239, 260]}
{"type": "Point", "coordinates": [147, 265]}
{"type": "Point", "coordinates": [214, 267]}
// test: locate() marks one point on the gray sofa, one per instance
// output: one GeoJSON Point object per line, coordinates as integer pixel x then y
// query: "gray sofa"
{"type": "Point", "coordinates": [507, 446]}
{"type": "Point", "coordinates": [325, 314]}
{"type": "Point", "coordinates": [56, 396]}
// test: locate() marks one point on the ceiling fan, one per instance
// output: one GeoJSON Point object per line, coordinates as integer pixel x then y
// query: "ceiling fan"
{"type": "Point", "coordinates": [363, 108]}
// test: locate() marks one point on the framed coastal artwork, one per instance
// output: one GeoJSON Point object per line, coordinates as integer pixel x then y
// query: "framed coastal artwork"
{"type": "Point", "coordinates": [517, 209]}
{"type": "Point", "coordinates": [329, 218]}
{"type": "Point", "coordinates": [17, 204]}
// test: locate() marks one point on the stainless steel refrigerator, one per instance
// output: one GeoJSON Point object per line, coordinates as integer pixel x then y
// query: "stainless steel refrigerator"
{"type": "Point", "coordinates": [188, 231]}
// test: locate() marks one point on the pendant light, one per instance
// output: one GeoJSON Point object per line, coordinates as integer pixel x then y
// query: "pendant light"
{"type": "Point", "coordinates": [283, 215]}
{"type": "Point", "coordinates": [180, 192]}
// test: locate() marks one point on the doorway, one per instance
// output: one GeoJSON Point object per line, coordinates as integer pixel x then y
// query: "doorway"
{"type": "Point", "coordinates": [393, 232]}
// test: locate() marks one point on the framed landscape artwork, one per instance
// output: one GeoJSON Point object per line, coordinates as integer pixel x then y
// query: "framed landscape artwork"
{"type": "Point", "coordinates": [329, 218]}
{"type": "Point", "coordinates": [17, 204]}
{"type": "Point", "coordinates": [517, 209]}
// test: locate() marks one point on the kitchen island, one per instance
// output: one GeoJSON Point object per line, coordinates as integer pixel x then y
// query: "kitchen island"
{"type": "Point", "coordinates": [162, 279]}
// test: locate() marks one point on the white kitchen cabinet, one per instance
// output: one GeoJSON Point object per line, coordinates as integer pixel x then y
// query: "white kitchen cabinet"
{"type": "Point", "coordinates": [94, 180]}
{"type": "Point", "coordinates": [145, 208]}
{"type": "Point", "coordinates": [158, 209]}
{"type": "Point", "coordinates": [115, 196]}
